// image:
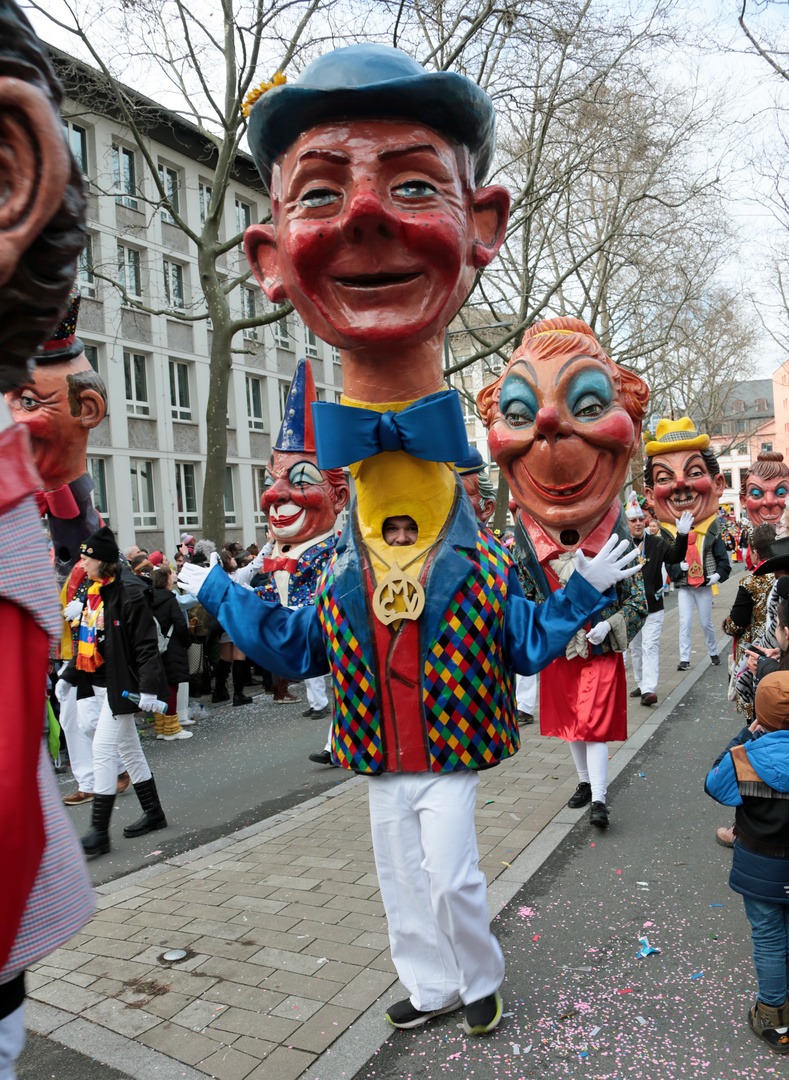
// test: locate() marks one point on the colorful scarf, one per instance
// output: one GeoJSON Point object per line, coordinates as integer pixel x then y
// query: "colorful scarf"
{"type": "Point", "coordinates": [88, 656]}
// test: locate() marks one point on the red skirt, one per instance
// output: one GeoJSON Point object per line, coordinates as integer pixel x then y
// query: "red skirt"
{"type": "Point", "coordinates": [585, 700]}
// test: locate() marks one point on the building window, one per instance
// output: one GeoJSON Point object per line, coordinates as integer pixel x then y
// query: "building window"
{"type": "Point", "coordinates": [173, 283]}
{"type": "Point", "coordinates": [78, 142]}
{"type": "Point", "coordinates": [204, 195]}
{"type": "Point", "coordinates": [762, 405]}
{"type": "Point", "coordinates": [92, 356]}
{"type": "Point", "coordinates": [249, 309]}
{"type": "Point", "coordinates": [727, 477]}
{"type": "Point", "coordinates": [717, 429]}
{"type": "Point", "coordinates": [243, 216]}
{"type": "Point", "coordinates": [186, 493]}
{"type": "Point", "coordinates": [766, 447]}
{"type": "Point", "coordinates": [254, 404]}
{"type": "Point", "coordinates": [335, 354]}
{"type": "Point", "coordinates": [135, 373]}
{"type": "Point", "coordinates": [97, 470]}
{"type": "Point", "coordinates": [311, 347]}
{"type": "Point", "coordinates": [230, 502]}
{"type": "Point", "coordinates": [740, 426]}
{"type": "Point", "coordinates": [125, 176]}
{"type": "Point", "coordinates": [279, 329]}
{"type": "Point", "coordinates": [169, 181]}
{"type": "Point", "coordinates": [338, 397]}
{"type": "Point", "coordinates": [143, 504]}
{"type": "Point", "coordinates": [129, 277]}
{"type": "Point", "coordinates": [320, 393]}
{"type": "Point", "coordinates": [260, 487]}
{"type": "Point", "coordinates": [738, 406]}
{"type": "Point", "coordinates": [85, 277]}
{"type": "Point", "coordinates": [283, 388]}
{"type": "Point", "coordinates": [180, 405]}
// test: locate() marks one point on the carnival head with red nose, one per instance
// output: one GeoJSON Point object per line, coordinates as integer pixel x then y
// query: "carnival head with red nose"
{"type": "Point", "coordinates": [764, 489]}
{"type": "Point", "coordinates": [300, 500]}
{"type": "Point", "coordinates": [563, 423]}
{"type": "Point", "coordinates": [682, 473]}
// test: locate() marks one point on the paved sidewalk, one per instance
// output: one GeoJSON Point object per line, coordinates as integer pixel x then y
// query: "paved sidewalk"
{"type": "Point", "coordinates": [287, 948]}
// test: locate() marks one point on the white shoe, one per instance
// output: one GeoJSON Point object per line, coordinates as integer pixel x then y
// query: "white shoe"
{"type": "Point", "coordinates": [178, 735]}
{"type": "Point", "coordinates": [186, 723]}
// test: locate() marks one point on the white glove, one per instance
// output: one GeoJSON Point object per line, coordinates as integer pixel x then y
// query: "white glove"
{"type": "Point", "coordinates": [62, 690]}
{"type": "Point", "coordinates": [684, 522]}
{"type": "Point", "coordinates": [192, 577]}
{"type": "Point", "coordinates": [598, 633]}
{"type": "Point", "coordinates": [684, 566]}
{"type": "Point", "coordinates": [609, 565]}
{"type": "Point", "coordinates": [714, 579]}
{"type": "Point", "coordinates": [72, 610]}
{"type": "Point", "coordinates": [148, 702]}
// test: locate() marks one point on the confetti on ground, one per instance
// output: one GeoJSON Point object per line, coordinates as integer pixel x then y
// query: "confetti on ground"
{"type": "Point", "coordinates": [646, 949]}
{"type": "Point", "coordinates": [641, 1021]}
{"type": "Point", "coordinates": [698, 975]}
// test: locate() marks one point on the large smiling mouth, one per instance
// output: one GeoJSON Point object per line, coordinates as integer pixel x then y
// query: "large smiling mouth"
{"type": "Point", "coordinates": [684, 501]}
{"type": "Point", "coordinates": [376, 281]}
{"type": "Point", "coordinates": [282, 521]}
{"type": "Point", "coordinates": [565, 493]}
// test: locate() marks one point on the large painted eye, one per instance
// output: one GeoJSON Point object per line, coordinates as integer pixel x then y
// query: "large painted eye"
{"type": "Point", "coordinates": [303, 473]}
{"type": "Point", "coordinates": [518, 414]}
{"type": "Point", "coordinates": [28, 403]}
{"type": "Point", "coordinates": [414, 189]}
{"type": "Point", "coordinates": [517, 401]}
{"type": "Point", "coordinates": [756, 493]}
{"type": "Point", "coordinates": [588, 407]}
{"type": "Point", "coordinates": [780, 492]}
{"type": "Point", "coordinates": [319, 197]}
{"type": "Point", "coordinates": [589, 394]}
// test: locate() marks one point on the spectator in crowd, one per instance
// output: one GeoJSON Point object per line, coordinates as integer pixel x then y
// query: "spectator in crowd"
{"type": "Point", "coordinates": [747, 620]}
{"type": "Point", "coordinates": [175, 636]}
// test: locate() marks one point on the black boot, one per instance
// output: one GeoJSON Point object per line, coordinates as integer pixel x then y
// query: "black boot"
{"type": "Point", "coordinates": [222, 671]}
{"type": "Point", "coordinates": [97, 841]}
{"type": "Point", "coordinates": [239, 675]}
{"type": "Point", "coordinates": [153, 816]}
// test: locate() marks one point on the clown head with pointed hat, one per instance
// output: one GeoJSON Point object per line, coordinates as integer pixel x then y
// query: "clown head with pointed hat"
{"type": "Point", "coordinates": [300, 500]}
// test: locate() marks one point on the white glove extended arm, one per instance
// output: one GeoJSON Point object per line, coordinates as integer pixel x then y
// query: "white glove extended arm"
{"type": "Point", "coordinates": [684, 522]}
{"type": "Point", "coordinates": [62, 689]}
{"type": "Point", "coordinates": [598, 633]}
{"type": "Point", "coordinates": [148, 702]}
{"type": "Point", "coordinates": [72, 610]}
{"type": "Point", "coordinates": [246, 573]}
{"type": "Point", "coordinates": [684, 566]}
{"type": "Point", "coordinates": [192, 577]}
{"type": "Point", "coordinates": [714, 579]}
{"type": "Point", "coordinates": [609, 566]}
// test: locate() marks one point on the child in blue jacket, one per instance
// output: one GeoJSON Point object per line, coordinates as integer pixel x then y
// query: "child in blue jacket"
{"type": "Point", "coordinates": [752, 774]}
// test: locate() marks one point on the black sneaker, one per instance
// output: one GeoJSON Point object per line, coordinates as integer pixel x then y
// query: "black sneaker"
{"type": "Point", "coordinates": [683, 665]}
{"type": "Point", "coordinates": [242, 699]}
{"type": "Point", "coordinates": [582, 796]}
{"type": "Point", "coordinates": [525, 718]}
{"type": "Point", "coordinates": [322, 757]}
{"type": "Point", "coordinates": [318, 714]}
{"type": "Point", "coordinates": [403, 1014]}
{"type": "Point", "coordinates": [715, 660]}
{"type": "Point", "coordinates": [482, 1016]}
{"type": "Point", "coordinates": [308, 712]}
{"type": "Point", "coordinates": [635, 693]}
{"type": "Point", "coordinates": [599, 815]}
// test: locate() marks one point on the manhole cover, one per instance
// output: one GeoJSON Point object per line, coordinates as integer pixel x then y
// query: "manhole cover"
{"type": "Point", "coordinates": [175, 954]}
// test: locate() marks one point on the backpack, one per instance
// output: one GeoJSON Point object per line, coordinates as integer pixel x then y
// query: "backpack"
{"type": "Point", "coordinates": [164, 639]}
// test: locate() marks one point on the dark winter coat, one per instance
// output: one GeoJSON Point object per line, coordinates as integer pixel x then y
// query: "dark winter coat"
{"type": "Point", "coordinates": [168, 613]}
{"type": "Point", "coordinates": [658, 550]}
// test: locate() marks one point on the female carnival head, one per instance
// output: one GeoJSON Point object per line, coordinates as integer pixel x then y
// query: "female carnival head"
{"type": "Point", "coordinates": [764, 489]}
{"type": "Point", "coordinates": [563, 423]}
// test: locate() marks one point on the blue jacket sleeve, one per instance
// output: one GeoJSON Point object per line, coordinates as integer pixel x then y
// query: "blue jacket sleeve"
{"type": "Point", "coordinates": [721, 782]}
{"type": "Point", "coordinates": [289, 643]}
{"type": "Point", "coordinates": [536, 634]}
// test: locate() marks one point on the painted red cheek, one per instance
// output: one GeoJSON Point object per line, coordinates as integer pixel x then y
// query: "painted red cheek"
{"type": "Point", "coordinates": [616, 427]}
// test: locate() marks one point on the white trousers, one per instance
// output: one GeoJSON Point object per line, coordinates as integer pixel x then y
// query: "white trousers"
{"type": "Point", "coordinates": [645, 653]}
{"type": "Point", "coordinates": [526, 693]}
{"type": "Point", "coordinates": [434, 892]}
{"type": "Point", "coordinates": [591, 761]}
{"type": "Point", "coordinates": [115, 735]}
{"type": "Point", "coordinates": [701, 598]}
{"type": "Point", "coordinates": [12, 1041]}
{"type": "Point", "coordinates": [316, 692]}
{"type": "Point", "coordinates": [182, 701]}
{"type": "Point", "coordinates": [78, 720]}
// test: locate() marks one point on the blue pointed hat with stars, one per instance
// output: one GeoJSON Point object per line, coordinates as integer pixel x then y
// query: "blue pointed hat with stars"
{"type": "Point", "coordinates": [295, 433]}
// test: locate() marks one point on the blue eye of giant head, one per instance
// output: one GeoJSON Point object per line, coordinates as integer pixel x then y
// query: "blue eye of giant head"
{"type": "Point", "coordinates": [303, 473]}
{"type": "Point", "coordinates": [781, 491]}
{"type": "Point", "coordinates": [517, 402]}
{"type": "Point", "coordinates": [589, 394]}
{"type": "Point", "coordinates": [756, 493]}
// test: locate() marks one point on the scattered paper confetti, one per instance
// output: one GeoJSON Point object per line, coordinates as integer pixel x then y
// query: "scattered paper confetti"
{"type": "Point", "coordinates": [698, 975]}
{"type": "Point", "coordinates": [595, 1031]}
{"type": "Point", "coordinates": [641, 1021]}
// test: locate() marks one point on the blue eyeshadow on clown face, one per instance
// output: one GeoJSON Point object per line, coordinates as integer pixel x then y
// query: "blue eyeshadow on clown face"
{"type": "Point", "coordinates": [517, 401]}
{"type": "Point", "coordinates": [589, 394]}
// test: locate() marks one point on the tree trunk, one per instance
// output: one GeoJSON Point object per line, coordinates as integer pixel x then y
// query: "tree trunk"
{"type": "Point", "coordinates": [216, 410]}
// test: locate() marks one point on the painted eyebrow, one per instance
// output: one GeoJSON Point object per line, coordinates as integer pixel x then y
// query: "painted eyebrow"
{"type": "Point", "coordinates": [572, 360]}
{"type": "Point", "coordinates": [529, 367]}
{"type": "Point", "coordinates": [334, 157]}
{"type": "Point", "coordinates": [390, 152]}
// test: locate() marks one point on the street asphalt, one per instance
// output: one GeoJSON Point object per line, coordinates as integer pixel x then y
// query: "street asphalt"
{"type": "Point", "coordinates": [577, 1000]}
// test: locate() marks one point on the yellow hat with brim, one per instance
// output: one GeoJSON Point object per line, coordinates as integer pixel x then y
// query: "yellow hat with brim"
{"type": "Point", "coordinates": [676, 435]}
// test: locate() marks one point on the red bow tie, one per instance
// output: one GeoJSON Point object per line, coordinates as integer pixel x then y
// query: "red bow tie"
{"type": "Point", "coordinates": [280, 563]}
{"type": "Point", "coordinates": [59, 502]}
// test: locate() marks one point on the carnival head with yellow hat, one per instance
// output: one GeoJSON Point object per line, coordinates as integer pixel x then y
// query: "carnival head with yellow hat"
{"type": "Point", "coordinates": [681, 472]}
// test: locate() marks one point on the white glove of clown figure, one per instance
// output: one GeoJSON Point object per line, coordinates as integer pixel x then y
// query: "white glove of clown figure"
{"type": "Point", "coordinates": [598, 633]}
{"type": "Point", "coordinates": [192, 577]}
{"type": "Point", "coordinates": [684, 522]}
{"type": "Point", "coordinates": [609, 566]}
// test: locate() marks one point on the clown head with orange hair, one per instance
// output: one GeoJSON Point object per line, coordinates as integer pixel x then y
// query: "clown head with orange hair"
{"type": "Point", "coordinates": [563, 423]}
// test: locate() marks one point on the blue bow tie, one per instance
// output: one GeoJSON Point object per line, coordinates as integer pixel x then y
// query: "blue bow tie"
{"type": "Point", "coordinates": [432, 429]}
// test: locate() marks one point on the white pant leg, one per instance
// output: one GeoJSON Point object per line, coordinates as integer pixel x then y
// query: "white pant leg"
{"type": "Point", "coordinates": [597, 763]}
{"type": "Point", "coordinates": [328, 739]}
{"type": "Point", "coordinates": [182, 702]}
{"type": "Point", "coordinates": [433, 891]}
{"type": "Point", "coordinates": [75, 719]}
{"type": "Point", "coordinates": [686, 605]}
{"type": "Point", "coordinates": [650, 652]}
{"type": "Point", "coordinates": [636, 652]}
{"type": "Point", "coordinates": [578, 750]}
{"type": "Point", "coordinates": [115, 735]}
{"type": "Point", "coordinates": [526, 693]}
{"type": "Point", "coordinates": [12, 1041]}
{"type": "Point", "coordinates": [316, 692]}
{"type": "Point", "coordinates": [703, 600]}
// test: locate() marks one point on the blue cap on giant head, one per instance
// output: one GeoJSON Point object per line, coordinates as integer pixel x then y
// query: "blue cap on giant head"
{"type": "Point", "coordinates": [474, 463]}
{"type": "Point", "coordinates": [365, 82]}
{"type": "Point", "coordinates": [296, 433]}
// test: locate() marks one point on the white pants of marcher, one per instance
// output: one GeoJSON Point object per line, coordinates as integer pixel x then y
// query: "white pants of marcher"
{"type": "Point", "coordinates": [591, 761]}
{"type": "Point", "coordinates": [645, 653]}
{"type": "Point", "coordinates": [115, 735]}
{"type": "Point", "coordinates": [434, 893]}
{"type": "Point", "coordinates": [12, 1041]}
{"type": "Point", "coordinates": [78, 720]}
{"type": "Point", "coordinates": [316, 692]}
{"type": "Point", "coordinates": [526, 693]}
{"type": "Point", "coordinates": [702, 599]}
{"type": "Point", "coordinates": [182, 701]}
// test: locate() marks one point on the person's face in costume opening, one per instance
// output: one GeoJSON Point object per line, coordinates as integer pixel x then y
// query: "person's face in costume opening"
{"type": "Point", "coordinates": [57, 418]}
{"type": "Point", "coordinates": [765, 500]}
{"type": "Point", "coordinates": [484, 508]}
{"type": "Point", "coordinates": [682, 481]}
{"type": "Point", "coordinates": [400, 531]}
{"type": "Point", "coordinates": [563, 437]}
{"type": "Point", "coordinates": [378, 233]}
{"type": "Point", "coordinates": [636, 527]}
{"type": "Point", "coordinates": [300, 501]}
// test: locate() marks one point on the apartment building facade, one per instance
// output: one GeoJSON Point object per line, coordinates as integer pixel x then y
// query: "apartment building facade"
{"type": "Point", "coordinates": [147, 456]}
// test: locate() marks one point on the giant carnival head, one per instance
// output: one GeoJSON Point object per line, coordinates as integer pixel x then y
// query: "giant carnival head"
{"type": "Point", "coordinates": [682, 473]}
{"type": "Point", "coordinates": [379, 225]}
{"type": "Point", "coordinates": [563, 423]}
{"type": "Point", "coordinates": [42, 204]}
{"type": "Point", "coordinates": [59, 403]}
{"type": "Point", "coordinates": [764, 488]}
{"type": "Point", "coordinates": [300, 500]}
